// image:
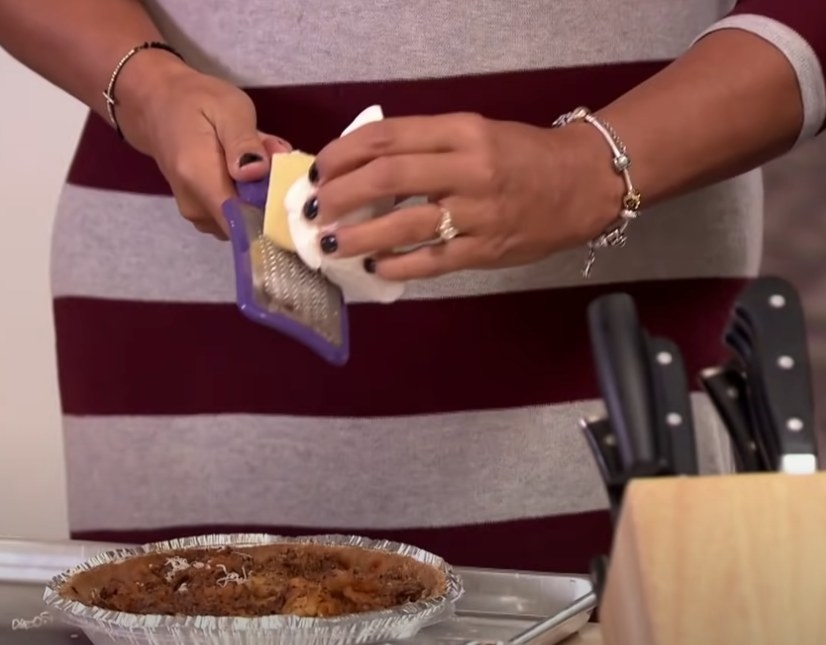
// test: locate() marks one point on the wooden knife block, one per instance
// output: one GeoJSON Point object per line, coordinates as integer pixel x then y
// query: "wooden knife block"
{"type": "Point", "coordinates": [725, 560]}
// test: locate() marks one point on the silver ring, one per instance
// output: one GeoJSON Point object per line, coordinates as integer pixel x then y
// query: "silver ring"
{"type": "Point", "coordinates": [446, 230]}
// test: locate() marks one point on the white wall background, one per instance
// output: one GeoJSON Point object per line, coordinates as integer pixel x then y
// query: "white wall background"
{"type": "Point", "coordinates": [39, 126]}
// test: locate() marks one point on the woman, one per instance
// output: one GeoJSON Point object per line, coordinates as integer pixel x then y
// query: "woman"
{"type": "Point", "coordinates": [454, 424]}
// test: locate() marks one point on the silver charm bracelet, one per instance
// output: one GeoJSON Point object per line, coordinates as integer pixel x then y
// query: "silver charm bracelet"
{"type": "Point", "coordinates": [615, 233]}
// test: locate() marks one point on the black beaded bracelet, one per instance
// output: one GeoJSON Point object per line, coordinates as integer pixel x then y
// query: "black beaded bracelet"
{"type": "Point", "coordinates": [109, 94]}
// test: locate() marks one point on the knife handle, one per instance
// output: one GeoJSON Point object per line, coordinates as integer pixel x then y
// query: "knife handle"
{"type": "Point", "coordinates": [599, 575]}
{"type": "Point", "coordinates": [780, 360]}
{"type": "Point", "coordinates": [744, 371]}
{"type": "Point", "coordinates": [603, 444]}
{"type": "Point", "coordinates": [625, 382]}
{"type": "Point", "coordinates": [673, 406]}
{"type": "Point", "coordinates": [726, 388]}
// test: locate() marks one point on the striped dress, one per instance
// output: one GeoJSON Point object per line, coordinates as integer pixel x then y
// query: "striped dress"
{"type": "Point", "coordinates": [454, 425]}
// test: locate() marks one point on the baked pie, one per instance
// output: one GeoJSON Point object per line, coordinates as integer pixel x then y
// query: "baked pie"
{"type": "Point", "coordinates": [307, 580]}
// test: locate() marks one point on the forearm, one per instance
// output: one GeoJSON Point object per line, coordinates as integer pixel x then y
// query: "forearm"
{"type": "Point", "coordinates": [77, 44]}
{"type": "Point", "coordinates": [732, 102]}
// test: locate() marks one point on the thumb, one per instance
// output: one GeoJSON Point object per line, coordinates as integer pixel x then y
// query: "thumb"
{"type": "Point", "coordinates": [246, 156]}
{"type": "Point", "coordinates": [274, 145]}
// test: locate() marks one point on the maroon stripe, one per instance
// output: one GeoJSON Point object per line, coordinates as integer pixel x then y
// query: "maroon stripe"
{"type": "Point", "coordinates": [310, 116]}
{"type": "Point", "coordinates": [562, 544]}
{"type": "Point", "coordinates": [806, 17]}
{"type": "Point", "coordinates": [498, 351]}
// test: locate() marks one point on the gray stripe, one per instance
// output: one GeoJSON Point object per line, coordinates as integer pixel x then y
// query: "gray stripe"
{"type": "Point", "coordinates": [316, 41]}
{"type": "Point", "coordinates": [802, 57]}
{"type": "Point", "coordinates": [381, 473]}
{"type": "Point", "coordinates": [137, 247]}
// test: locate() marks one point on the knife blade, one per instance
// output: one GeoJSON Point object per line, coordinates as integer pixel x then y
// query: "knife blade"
{"type": "Point", "coordinates": [623, 374]}
{"type": "Point", "coordinates": [768, 334]}
{"type": "Point", "coordinates": [672, 403]}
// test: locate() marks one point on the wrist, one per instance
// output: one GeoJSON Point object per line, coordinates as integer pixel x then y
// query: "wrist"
{"type": "Point", "coordinates": [142, 83]}
{"type": "Point", "coordinates": [146, 72]}
{"type": "Point", "coordinates": [608, 200]}
{"type": "Point", "coordinates": [598, 185]}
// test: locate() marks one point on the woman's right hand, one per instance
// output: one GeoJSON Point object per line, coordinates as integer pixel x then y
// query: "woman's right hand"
{"type": "Point", "coordinates": [200, 130]}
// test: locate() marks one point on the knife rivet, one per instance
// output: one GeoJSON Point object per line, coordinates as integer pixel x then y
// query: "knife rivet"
{"type": "Point", "coordinates": [777, 301]}
{"type": "Point", "coordinates": [664, 358]}
{"type": "Point", "coordinates": [673, 419]}
{"type": "Point", "coordinates": [785, 362]}
{"type": "Point", "coordinates": [794, 424]}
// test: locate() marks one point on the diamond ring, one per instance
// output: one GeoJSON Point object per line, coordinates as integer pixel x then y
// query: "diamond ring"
{"type": "Point", "coordinates": [446, 230]}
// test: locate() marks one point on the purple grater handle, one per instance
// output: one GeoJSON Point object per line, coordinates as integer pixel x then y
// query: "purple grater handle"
{"type": "Point", "coordinates": [254, 194]}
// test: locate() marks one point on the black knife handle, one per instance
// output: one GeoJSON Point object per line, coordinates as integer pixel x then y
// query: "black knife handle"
{"type": "Point", "coordinates": [672, 403]}
{"type": "Point", "coordinates": [780, 360]}
{"type": "Point", "coordinates": [742, 370]}
{"type": "Point", "coordinates": [622, 371]}
{"type": "Point", "coordinates": [726, 388]}
{"type": "Point", "coordinates": [599, 575]}
{"type": "Point", "coordinates": [603, 445]}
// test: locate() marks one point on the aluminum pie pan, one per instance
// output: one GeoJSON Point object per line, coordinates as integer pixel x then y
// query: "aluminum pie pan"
{"type": "Point", "coordinates": [105, 627]}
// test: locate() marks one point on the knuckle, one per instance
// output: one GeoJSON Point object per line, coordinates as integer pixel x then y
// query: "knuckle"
{"type": "Point", "coordinates": [427, 271]}
{"type": "Point", "coordinates": [379, 137]}
{"type": "Point", "coordinates": [209, 228]}
{"type": "Point", "coordinates": [235, 102]}
{"type": "Point", "coordinates": [386, 174]}
{"type": "Point", "coordinates": [495, 250]}
{"type": "Point", "coordinates": [242, 143]}
{"type": "Point", "coordinates": [242, 100]}
{"type": "Point", "coordinates": [485, 169]}
{"type": "Point", "coordinates": [472, 127]}
{"type": "Point", "coordinates": [196, 218]}
{"type": "Point", "coordinates": [329, 200]}
{"type": "Point", "coordinates": [490, 218]}
{"type": "Point", "coordinates": [414, 230]}
{"type": "Point", "coordinates": [192, 212]}
{"type": "Point", "coordinates": [184, 169]}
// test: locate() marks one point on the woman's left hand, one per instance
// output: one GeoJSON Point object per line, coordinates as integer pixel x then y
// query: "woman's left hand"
{"type": "Point", "coordinates": [516, 193]}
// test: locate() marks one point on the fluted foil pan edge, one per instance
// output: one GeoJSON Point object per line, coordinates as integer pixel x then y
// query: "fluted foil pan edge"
{"type": "Point", "coordinates": [105, 627]}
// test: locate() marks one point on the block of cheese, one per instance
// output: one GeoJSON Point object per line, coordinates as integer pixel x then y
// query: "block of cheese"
{"type": "Point", "coordinates": [285, 170]}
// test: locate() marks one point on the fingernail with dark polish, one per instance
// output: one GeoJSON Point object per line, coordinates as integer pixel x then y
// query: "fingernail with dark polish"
{"type": "Point", "coordinates": [311, 208]}
{"type": "Point", "coordinates": [313, 174]}
{"type": "Point", "coordinates": [249, 157]}
{"type": "Point", "coordinates": [370, 265]}
{"type": "Point", "coordinates": [329, 244]}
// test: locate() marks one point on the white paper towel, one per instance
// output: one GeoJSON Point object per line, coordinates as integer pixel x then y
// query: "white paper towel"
{"type": "Point", "coordinates": [347, 273]}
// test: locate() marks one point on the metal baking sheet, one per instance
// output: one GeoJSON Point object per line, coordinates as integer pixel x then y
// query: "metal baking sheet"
{"type": "Point", "coordinates": [498, 606]}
